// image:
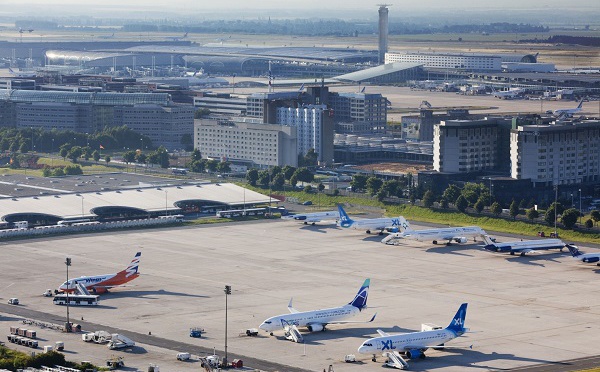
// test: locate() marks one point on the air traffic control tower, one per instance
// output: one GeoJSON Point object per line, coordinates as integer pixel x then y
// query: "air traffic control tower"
{"type": "Point", "coordinates": [383, 32]}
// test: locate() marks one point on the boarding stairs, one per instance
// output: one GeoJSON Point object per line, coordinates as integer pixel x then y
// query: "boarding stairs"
{"type": "Point", "coordinates": [292, 333]}
{"type": "Point", "coordinates": [395, 360]}
{"type": "Point", "coordinates": [82, 290]}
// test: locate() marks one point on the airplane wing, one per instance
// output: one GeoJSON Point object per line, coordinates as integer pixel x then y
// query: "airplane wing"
{"type": "Point", "coordinates": [291, 308]}
{"type": "Point", "coordinates": [525, 250]}
{"type": "Point", "coordinates": [356, 322]}
{"type": "Point", "coordinates": [382, 333]}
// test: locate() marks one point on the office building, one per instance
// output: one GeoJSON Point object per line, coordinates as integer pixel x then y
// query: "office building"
{"type": "Point", "coordinates": [557, 154]}
{"type": "Point", "coordinates": [250, 142]}
{"type": "Point", "coordinates": [369, 108]}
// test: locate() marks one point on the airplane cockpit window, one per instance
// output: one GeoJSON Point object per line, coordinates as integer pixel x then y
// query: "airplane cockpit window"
{"type": "Point", "coordinates": [267, 322]}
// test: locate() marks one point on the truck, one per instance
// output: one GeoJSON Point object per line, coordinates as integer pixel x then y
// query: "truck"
{"type": "Point", "coordinates": [99, 337]}
{"type": "Point", "coordinates": [183, 356]}
{"type": "Point", "coordinates": [115, 362]}
{"type": "Point", "coordinates": [196, 332]}
{"type": "Point", "coordinates": [119, 341]}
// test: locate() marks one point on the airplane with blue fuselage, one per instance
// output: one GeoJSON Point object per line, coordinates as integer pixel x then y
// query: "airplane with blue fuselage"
{"type": "Point", "coordinates": [317, 320]}
{"type": "Point", "coordinates": [369, 224]}
{"type": "Point", "coordinates": [522, 247]}
{"type": "Point", "coordinates": [413, 345]}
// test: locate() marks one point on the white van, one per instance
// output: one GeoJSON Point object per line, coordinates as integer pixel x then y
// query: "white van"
{"type": "Point", "coordinates": [183, 356]}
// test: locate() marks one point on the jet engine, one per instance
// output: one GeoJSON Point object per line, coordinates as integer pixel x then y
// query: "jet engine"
{"type": "Point", "coordinates": [98, 290]}
{"type": "Point", "coordinates": [591, 259]}
{"type": "Point", "coordinates": [414, 354]}
{"type": "Point", "coordinates": [316, 327]}
{"type": "Point", "coordinates": [300, 218]}
{"type": "Point", "coordinates": [461, 240]}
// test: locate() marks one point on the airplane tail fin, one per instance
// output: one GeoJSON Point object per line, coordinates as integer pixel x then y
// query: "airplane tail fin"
{"type": "Point", "coordinates": [345, 220]}
{"type": "Point", "coordinates": [360, 300]}
{"type": "Point", "coordinates": [132, 269]}
{"type": "Point", "coordinates": [574, 250]}
{"type": "Point", "coordinates": [457, 325]}
{"type": "Point", "coordinates": [11, 70]}
{"type": "Point", "coordinates": [404, 224]}
{"type": "Point", "coordinates": [580, 104]}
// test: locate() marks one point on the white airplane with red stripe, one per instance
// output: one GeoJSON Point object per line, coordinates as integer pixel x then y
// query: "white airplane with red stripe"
{"type": "Point", "coordinates": [102, 283]}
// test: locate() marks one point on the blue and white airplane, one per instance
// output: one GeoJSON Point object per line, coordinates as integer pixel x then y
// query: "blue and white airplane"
{"type": "Point", "coordinates": [448, 234]}
{"type": "Point", "coordinates": [316, 320]}
{"type": "Point", "coordinates": [414, 344]}
{"type": "Point", "coordinates": [368, 224]}
{"type": "Point", "coordinates": [314, 217]}
{"type": "Point", "coordinates": [522, 247]}
{"type": "Point", "coordinates": [584, 257]}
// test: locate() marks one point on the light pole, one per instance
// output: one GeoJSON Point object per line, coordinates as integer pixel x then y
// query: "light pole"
{"type": "Point", "coordinates": [81, 206]}
{"type": "Point", "coordinates": [555, 206]}
{"type": "Point", "coordinates": [227, 293]}
{"type": "Point", "coordinates": [52, 154]}
{"type": "Point", "coordinates": [68, 325]}
{"type": "Point", "coordinates": [572, 205]}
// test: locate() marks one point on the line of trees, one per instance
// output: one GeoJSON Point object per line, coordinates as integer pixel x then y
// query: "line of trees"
{"type": "Point", "coordinates": [276, 176]}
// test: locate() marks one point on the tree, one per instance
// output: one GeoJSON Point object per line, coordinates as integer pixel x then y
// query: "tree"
{"type": "Point", "coordinates": [46, 172]}
{"type": "Point", "coordinates": [129, 156]}
{"type": "Point", "coordinates": [307, 188]}
{"type": "Point", "coordinates": [336, 192]}
{"type": "Point", "coordinates": [480, 204]}
{"type": "Point", "coordinates": [569, 217]}
{"type": "Point", "coordinates": [294, 180]}
{"type": "Point", "coordinates": [187, 141]}
{"type": "Point", "coordinates": [163, 157]}
{"type": "Point", "coordinates": [428, 199]}
{"type": "Point", "coordinates": [107, 159]}
{"type": "Point", "coordinates": [201, 113]}
{"type": "Point", "coordinates": [73, 170]}
{"type": "Point", "coordinates": [461, 203]}
{"type": "Point", "coordinates": [96, 156]}
{"type": "Point", "coordinates": [532, 214]}
{"type": "Point", "coordinates": [252, 176]}
{"type": "Point", "coordinates": [304, 175]}
{"type": "Point", "coordinates": [196, 155]}
{"type": "Point", "coordinates": [224, 167]}
{"type": "Point", "coordinates": [374, 185]}
{"type": "Point", "coordinates": [141, 158]}
{"type": "Point", "coordinates": [496, 209]}
{"type": "Point", "coordinates": [444, 203]}
{"type": "Point", "coordinates": [550, 213]}
{"type": "Point", "coordinates": [310, 159]}
{"type": "Point", "coordinates": [58, 172]}
{"type": "Point", "coordinates": [263, 178]}
{"type": "Point", "coordinates": [595, 216]}
{"type": "Point", "coordinates": [380, 195]}
{"type": "Point", "coordinates": [320, 187]}
{"type": "Point", "coordinates": [451, 193]}
{"type": "Point", "coordinates": [359, 182]}
{"type": "Point", "coordinates": [288, 171]}
{"type": "Point", "coordinates": [275, 170]}
{"type": "Point", "coordinates": [391, 187]}
{"type": "Point", "coordinates": [198, 166]}
{"type": "Point", "coordinates": [75, 153]}
{"type": "Point", "coordinates": [514, 209]}
{"type": "Point", "coordinates": [278, 181]}
{"type": "Point", "coordinates": [589, 223]}
{"type": "Point", "coordinates": [64, 150]}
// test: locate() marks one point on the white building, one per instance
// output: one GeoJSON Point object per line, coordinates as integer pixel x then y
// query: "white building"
{"type": "Point", "coordinates": [261, 144]}
{"type": "Point", "coordinates": [472, 62]}
{"type": "Point", "coordinates": [562, 154]}
{"type": "Point", "coordinates": [308, 121]}
{"type": "Point", "coordinates": [465, 146]}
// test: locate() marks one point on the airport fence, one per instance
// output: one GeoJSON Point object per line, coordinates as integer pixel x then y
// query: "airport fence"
{"type": "Point", "coordinates": [88, 227]}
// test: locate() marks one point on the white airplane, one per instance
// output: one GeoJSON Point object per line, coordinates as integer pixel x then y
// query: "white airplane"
{"type": "Point", "coordinates": [414, 344]}
{"type": "Point", "coordinates": [368, 224]}
{"type": "Point", "coordinates": [314, 217]}
{"type": "Point", "coordinates": [569, 112]}
{"type": "Point", "coordinates": [177, 38]}
{"type": "Point", "coordinates": [507, 94]}
{"type": "Point", "coordinates": [450, 234]}
{"type": "Point", "coordinates": [584, 257]}
{"type": "Point", "coordinates": [107, 36]}
{"type": "Point", "coordinates": [102, 283]}
{"type": "Point", "coordinates": [22, 74]}
{"type": "Point", "coordinates": [316, 320]}
{"type": "Point", "coordinates": [522, 247]}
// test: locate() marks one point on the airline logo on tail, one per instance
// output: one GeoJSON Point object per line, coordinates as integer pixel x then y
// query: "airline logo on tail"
{"type": "Point", "coordinates": [132, 269]}
{"type": "Point", "coordinates": [345, 220]}
{"type": "Point", "coordinates": [457, 325]}
{"type": "Point", "coordinates": [360, 300]}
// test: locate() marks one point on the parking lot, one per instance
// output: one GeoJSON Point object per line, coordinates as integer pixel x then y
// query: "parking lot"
{"type": "Point", "coordinates": [523, 310]}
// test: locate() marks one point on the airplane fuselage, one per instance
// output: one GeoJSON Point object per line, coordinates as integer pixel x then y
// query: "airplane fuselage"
{"type": "Point", "coordinates": [373, 224]}
{"type": "Point", "coordinates": [449, 234]}
{"type": "Point", "coordinates": [101, 281]}
{"type": "Point", "coordinates": [518, 246]}
{"type": "Point", "coordinates": [306, 318]}
{"type": "Point", "coordinates": [407, 341]}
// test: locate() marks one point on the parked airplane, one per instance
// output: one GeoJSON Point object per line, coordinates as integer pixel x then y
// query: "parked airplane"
{"type": "Point", "coordinates": [368, 224]}
{"type": "Point", "coordinates": [522, 247]}
{"type": "Point", "coordinates": [102, 283]}
{"type": "Point", "coordinates": [450, 234]}
{"type": "Point", "coordinates": [316, 320]}
{"type": "Point", "coordinates": [570, 111]}
{"type": "Point", "coordinates": [177, 38]}
{"type": "Point", "coordinates": [107, 36]}
{"type": "Point", "coordinates": [22, 74]}
{"type": "Point", "coordinates": [314, 217]}
{"type": "Point", "coordinates": [414, 344]}
{"type": "Point", "coordinates": [584, 257]}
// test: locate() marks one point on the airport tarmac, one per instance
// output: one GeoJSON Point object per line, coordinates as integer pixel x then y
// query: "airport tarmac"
{"type": "Point", "coordinates": [524, 311]}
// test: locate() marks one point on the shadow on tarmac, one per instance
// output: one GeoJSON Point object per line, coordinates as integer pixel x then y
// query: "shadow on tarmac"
{"type": "Point", "coordinates": [318, 228]}
{"type": "Point", "coordinates": [147, 294]}
{"type": "Point", "coordinates": [455, 249]}
{"type": "Point", "coordinates": [533, 258]}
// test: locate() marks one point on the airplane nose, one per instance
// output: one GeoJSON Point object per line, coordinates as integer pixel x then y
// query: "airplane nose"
{"type": "Point", "coordinates": [363, 349]}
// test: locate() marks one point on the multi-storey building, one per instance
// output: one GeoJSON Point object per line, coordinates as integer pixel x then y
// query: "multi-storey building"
{"type": "Point", "coordinates": [471, 62]}
{"type": "Point", "coordinates": [257, 143]}
{"type": "Point", "coordinates": [370, 108]}
{"type": "Point", "coordinates": [556, 154]}
{"type": "Point", "coordinates": [466, 146]}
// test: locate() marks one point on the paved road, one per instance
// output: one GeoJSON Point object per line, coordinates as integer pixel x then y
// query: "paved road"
{"type": "Point", "coordinates": [564, 366]}
{"type": "Point", "coordinates": [141, 338]}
